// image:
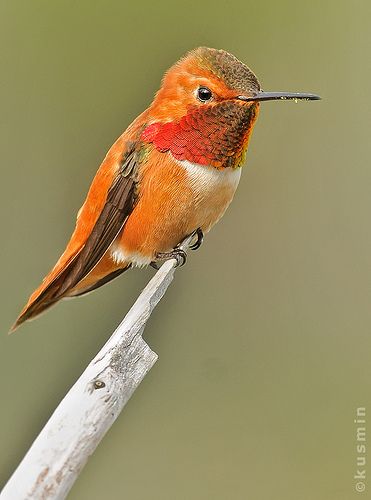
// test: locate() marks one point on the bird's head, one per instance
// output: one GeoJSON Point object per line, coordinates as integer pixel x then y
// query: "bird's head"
{"type": "Point", "coordinates": [206, 107]}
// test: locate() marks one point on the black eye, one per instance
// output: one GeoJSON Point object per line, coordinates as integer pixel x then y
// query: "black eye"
{"type": "Point", "coordinates": [204, 94]}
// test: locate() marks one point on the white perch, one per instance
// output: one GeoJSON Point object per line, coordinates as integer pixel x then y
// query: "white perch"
{"type": "Point", "coordinates": [85, 414]}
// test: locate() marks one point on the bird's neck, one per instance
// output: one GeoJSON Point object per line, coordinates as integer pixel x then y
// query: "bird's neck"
{"type": "Point", "coordinates": [207, 135]}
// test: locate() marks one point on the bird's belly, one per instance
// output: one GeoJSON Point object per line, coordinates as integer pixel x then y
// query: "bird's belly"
{"type": "Point", "coordinates": [173, 203]}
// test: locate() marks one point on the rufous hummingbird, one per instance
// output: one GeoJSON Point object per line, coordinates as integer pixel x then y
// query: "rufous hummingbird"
{"type": "Point", "coordinates": [171, 174]}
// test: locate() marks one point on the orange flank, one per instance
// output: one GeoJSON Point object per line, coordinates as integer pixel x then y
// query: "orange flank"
{"type": "Point", "coordinates": [173, 172]}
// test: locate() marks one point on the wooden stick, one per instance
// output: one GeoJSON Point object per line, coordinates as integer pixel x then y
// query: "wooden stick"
{"type": "Point", "coordinates": [78, 424]}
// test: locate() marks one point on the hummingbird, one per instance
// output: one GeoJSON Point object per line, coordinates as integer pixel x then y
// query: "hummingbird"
{"type": "Point", "coordinates": [169, 176]}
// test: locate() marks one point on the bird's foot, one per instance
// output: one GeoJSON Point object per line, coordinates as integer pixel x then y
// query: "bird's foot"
{"type": "Point", "coordinates": [200, 239]}
{"type": "Point", "coordinates": [178, 254]}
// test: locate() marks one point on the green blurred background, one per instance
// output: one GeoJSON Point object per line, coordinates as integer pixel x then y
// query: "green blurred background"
{"type": "Point", "coordinates": [264, 338]}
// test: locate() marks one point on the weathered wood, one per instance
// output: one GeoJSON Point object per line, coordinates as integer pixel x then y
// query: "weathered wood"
{"type": "Point", "coordinates": [78, 424]}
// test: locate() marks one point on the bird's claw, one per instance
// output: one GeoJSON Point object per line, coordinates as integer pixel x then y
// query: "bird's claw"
{"type": "Point", "coordinates": [200, 239]}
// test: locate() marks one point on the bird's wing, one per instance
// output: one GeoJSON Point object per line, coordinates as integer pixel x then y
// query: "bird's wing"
{"type": "Point", "coordinates": [109, 202]}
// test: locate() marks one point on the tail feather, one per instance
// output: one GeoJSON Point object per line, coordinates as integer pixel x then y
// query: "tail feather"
{"type": "Point", "coordinates": [58, 285]}
{"type": "Point", "coordinates": [46, 294]}
{"type": "Point", "coordinates": [80, 290]}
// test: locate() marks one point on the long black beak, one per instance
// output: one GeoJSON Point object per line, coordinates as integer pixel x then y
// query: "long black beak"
{"type": "Point", "coordinates": [275, 96]}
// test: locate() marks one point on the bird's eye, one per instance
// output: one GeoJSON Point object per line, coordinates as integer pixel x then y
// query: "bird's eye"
{"type": "Point", "coordinates": [204, 94]}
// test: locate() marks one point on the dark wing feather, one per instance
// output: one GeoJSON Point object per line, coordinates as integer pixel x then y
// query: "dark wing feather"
{"type": "Point", "coordinates": [119, 204]}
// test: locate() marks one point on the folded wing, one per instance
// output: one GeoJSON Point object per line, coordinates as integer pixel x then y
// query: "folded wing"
{"type": "Point", "coordinates": [110, 201]}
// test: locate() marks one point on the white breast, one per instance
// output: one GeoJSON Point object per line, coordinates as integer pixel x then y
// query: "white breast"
{"type": "Point", "coordinates": [213, 190]}
{"type": "Point", "coordinates": [206, 179]}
